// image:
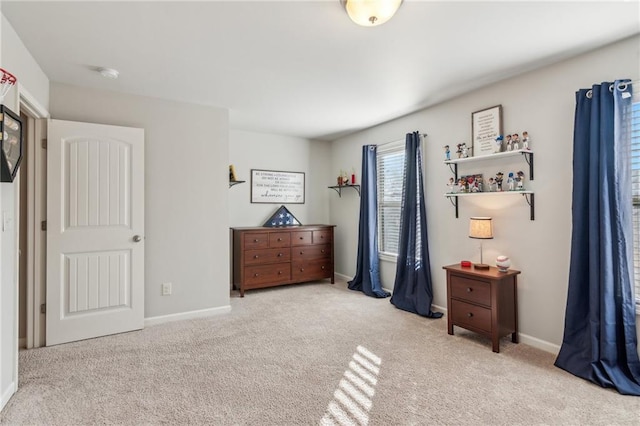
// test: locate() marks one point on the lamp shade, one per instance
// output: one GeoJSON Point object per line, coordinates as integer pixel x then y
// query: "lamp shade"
{"type": "Point", "coordinates": [369, 13]}
{"type": "Point", "coordinates": [481, 227]}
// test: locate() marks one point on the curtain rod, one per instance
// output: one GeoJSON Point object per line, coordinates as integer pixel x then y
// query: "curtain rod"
{"type": "Point", "coordinates": [424, 135]}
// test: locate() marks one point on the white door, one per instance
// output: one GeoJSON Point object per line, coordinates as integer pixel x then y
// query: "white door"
{"type": "Point", "coordinates": [95, 230]}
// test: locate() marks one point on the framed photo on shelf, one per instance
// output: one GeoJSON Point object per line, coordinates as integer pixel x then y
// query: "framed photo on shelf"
{"type": "Point", "coordinates": [486, 126]}
{"type": "Point", "coordinates": [472, 183]}
{"type": "Point", "coordinates": [278, 187]}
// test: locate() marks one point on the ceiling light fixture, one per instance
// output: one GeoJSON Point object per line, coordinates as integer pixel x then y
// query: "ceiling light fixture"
{"type": "Point", "coordinates": [370, 13]}
{"type": "Point", "coordinates": [109, 73]}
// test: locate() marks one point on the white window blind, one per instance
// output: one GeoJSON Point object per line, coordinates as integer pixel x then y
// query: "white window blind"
{"type": "Point", "coordinates": [390, 176]}
{"type": "Point", "coordinates": [635, 185]}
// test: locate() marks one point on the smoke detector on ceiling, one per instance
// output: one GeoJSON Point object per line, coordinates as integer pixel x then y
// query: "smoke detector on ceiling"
{"type": "Point", "coordinates": [109, 73]}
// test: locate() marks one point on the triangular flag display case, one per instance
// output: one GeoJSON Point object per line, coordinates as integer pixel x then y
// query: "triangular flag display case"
{"type": "Point", "coordinates": [282, 217]}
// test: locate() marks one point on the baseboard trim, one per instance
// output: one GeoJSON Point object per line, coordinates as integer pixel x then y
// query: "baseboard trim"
{"type": "Point", "coordinates": [342, 277]}
{"type": "Point", "coordinates": [539, 343]}
{"type": "Point", "coordinates": [161, 319]}
{"type": "Point", "coordinates": [7, 394]}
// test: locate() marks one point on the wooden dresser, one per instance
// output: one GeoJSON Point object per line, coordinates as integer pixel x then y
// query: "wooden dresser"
{"type": "Point", "coordinates": [484, 301]}
{"type": "Point", "coordinates": [268, 257]}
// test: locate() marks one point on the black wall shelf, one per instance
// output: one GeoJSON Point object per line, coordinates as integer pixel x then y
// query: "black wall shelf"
{"type": "Point", "coordinates": [235, 182]}
{"type": "Point", "coordinates": [338, 188]}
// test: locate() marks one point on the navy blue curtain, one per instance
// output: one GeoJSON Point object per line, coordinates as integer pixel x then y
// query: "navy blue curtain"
{"type": "Point", "coordinates": [367, 277]}
{"type": "Point", "coordinates": [599, 341]}
{"type": "Point", "coordinates": [412, 290]}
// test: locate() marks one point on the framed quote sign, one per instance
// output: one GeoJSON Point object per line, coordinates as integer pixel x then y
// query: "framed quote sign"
{"type": "Point", "coordinates": [271, 186]}
{"type": "Point", "coordinates": [486, 126]}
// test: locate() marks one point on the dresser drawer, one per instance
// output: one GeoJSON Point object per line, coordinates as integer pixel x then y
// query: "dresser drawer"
{"type": "Point", "coordinates": [322, 251]}
{"type": "Point", "coordinates": [471, 290]}
{"type": "Point", "coordinates": [256, 240]}
{"type": "Point", "coordinates": [267, 274]}
{"type": "Point", "coordinates": [275, 255]}
{"type": "Point", "coordinates": [320, 237]}
{"type": "Point", "coordinates": [279, 239]}
{"type": "Point", "coordinates": [300, 238]}
{"type": "Point", "coordinates": [311, 270]}
{"type": "Point", "coordinates": [468, 315]}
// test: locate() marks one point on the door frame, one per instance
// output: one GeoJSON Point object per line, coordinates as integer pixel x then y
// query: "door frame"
{"type": "Point", "coordinates": [36, 213]}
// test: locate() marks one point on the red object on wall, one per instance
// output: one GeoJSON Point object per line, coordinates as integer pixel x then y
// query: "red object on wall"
{"type": "Point", "coordinates": [353, 179]}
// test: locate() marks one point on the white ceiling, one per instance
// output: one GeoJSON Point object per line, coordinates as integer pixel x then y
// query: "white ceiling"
{"type": "Point", "coordinates": [302, 68]}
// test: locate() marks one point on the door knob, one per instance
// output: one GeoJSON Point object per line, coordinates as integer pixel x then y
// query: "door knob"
{"type": "Point", "coordinates": [137, 238]}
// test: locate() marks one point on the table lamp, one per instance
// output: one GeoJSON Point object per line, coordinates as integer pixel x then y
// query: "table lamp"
{"type": "Point", "coordinates": [482, 229]}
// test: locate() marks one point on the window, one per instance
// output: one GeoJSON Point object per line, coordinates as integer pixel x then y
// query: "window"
{"type": "Point", "coordinates": [635, 185]}
{"type": "Point", "coordinates": [390, 176]}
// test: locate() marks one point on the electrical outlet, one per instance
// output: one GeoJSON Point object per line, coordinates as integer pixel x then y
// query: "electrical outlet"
{"type": "Point", "coordinates": [166, 289]}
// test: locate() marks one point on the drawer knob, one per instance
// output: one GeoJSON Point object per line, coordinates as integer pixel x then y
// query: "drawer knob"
{"type": "Point", "coordinates": [321, 236]}
{"type": "Point", "coordinates": [301, 269]}
{"type": "Point", "coordinates": [256, 256]}
{"type": "Point", "coordinates": [470, 314]}
{"type": "Point", "coordinates": [302, 238]}
{"type": "Point", "coordinates": [255, 275]}
{"type": "Point", "coordinates": [322, 250]}
{"type": "Point", "coordinates": [279, 272]}
{"type": "Point", "coordinates": [279, 239]}
{"type": "Point", "coordinates": [279, 254]}
{"type": "Point", "coordinates": [469, 289]}
{"type": "Point", "coordinates": [301, 252]}
{"type": "Point", "coordinates": [256, 240]}
{"type": "Point", "coordinates": [323, 267]}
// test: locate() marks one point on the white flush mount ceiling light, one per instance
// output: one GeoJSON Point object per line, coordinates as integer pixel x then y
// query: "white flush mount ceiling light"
{"type": "Point", "coordinates": [109, 73]}
{"type": "Point", "coordinates": [370, 13]}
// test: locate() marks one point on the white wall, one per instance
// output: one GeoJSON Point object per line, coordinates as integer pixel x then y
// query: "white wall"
{"type": "Point", "coordinates": [541, 102]}
{"type": "Point", "coordinates": [186, 191]}
{"type": "Point", "coordinates": [15, 58]}
{"type": "Point", "coordinates": [250, 150]}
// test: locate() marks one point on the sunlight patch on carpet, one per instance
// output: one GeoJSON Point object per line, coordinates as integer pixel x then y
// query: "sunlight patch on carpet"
{"type": "Point", "coordinates": [352, 400]}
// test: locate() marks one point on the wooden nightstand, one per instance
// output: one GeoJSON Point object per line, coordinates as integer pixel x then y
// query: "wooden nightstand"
{"type": "Point", "coordinates": [483, 301]}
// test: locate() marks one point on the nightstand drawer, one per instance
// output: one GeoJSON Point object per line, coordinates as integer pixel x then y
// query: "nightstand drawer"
{"type": "Point", "coordinates": [253, 257]}
{"type": "Point", "coordinates": [466, 314]}
{"type": "Point", "coordinates": [471, 290]}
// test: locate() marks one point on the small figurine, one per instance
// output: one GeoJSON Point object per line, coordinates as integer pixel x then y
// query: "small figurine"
{"type": "Point", "coordinates": [525, 140]}
{"type": "Point", "coordinates": [465, 150]}
{"type": "Point", "coordinates": [508, 143]}
{"type": "Point", "coordinates": [520, 180]}
{"type": "Point", "coordinates": [459, 151]}
{"type": "Point", "coordinates": [515, 139]}
{"type": "Point", "coordinates": [511, 182]}
{"type": "Point", "coordinates": [471, 183]}
{"type": "Point", "coordinates": [462, 185]}
{"type": "Point", "coordinates": [447, 153]}
{"type": "Point", "coordinates": [499, 176]}
{"type": "Point", "coordinates": [451, 184]}
{"type": "Point", "coordinates": [491, 184]}
{"type": "Point", "coordinates": [479, 184]}
{"type": "Point", "coordinates": [498, 146]}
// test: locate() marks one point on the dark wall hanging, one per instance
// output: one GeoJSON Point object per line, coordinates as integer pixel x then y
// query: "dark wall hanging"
{"type": "Point", "coordinates": [11, 144]}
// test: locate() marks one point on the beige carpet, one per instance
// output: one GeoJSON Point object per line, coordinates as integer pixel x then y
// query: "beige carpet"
{"type": "Point", "coordinates": [305, 355]}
